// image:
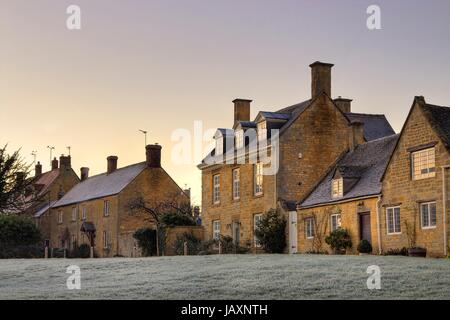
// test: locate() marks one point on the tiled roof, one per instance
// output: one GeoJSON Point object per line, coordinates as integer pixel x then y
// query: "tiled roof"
{"type": "Point", "coordinates": [102, 185]}
{"type": "Point", "coordinates": [43, 209]}
{"type": "Point", "coordinates": [366, 163]}
{"type": "Point", "coordinates": [275, 115]}
{"type": "Point", "coordinates": [439, 118]}
{"type": "Point", "coordinates": [375, 125]}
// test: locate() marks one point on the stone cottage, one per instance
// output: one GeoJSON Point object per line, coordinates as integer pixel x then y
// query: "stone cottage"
{"type": "Point", "coordinates": [101, 205]}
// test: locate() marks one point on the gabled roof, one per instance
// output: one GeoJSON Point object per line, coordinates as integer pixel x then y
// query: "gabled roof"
{"type": "Point", "coordinates": [439, 118]}
{"type": "Point", "coordinates": [102, 185]}
{"type": "Point", "coordinates": [44, 209]}
{"type": "Point", "coordinates": [375, 125]}
{"type": "Point", "coordinates": [43, 182]}
{"type": "Point", "coordinates": [273, 115]}
{"type": "Point", "coordinates": [366, 163]}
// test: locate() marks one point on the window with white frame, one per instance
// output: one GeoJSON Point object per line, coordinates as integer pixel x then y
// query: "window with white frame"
{"type": "Point", "coordinates": [423, 165]}
{"type": "Point", "coordinates": [258, 178]}
{"type": "Point", "coordinates": [219, 145]}
{"type": "Point", "coordinates": [236, 184]}
{"type": "Point", "coordinates": [106, 208]}
{"type": "Point", "coordinates": [337, 188]}
{"type": "Point", "coordinates": [393, 220]}
{"type": "Point", "coordinates": [239, 139]}
{"type": "Point", "coordinates": [84, 214]}
{"type": "Point", "coordinates": [74, 214]}
{"type": "Point", "coordinates": [60, 216]}
{"type": "Point", "coordinates": [262, 130]}
{"type": "Point", "coordinates": [105, 240]}
{"type": "Point", "coordinates": [428, 215]}
{"type": "Point", "coordinates": [216, 188]}
{"type": "Point", "coordinates": [216, 229]}
{"type": "Point", "coordinates": [309, 228]}
{"type": "Point", "coordinates": [335, 222]}
{"type": "Point", "coordinates": [256, 219]}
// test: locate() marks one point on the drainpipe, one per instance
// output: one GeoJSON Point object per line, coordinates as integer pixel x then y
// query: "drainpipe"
{"type": "Point", "coordinates": [378, 225]}
{"type": "Point", "coordinates": [444, 208]}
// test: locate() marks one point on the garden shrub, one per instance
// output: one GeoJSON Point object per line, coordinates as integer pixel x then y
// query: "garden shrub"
{"type": "Point", "coordinates": [21, 252]}
{"type": "Point", "coordinates": [57, 252]}
{"type": "Point", "coordinates": [194, 245]}
{"type": "Point", "coordinates": [228, 246]}
{"type": "Point", "coordinates": [83, 251]}
{"type": "Point", "coordinates": [271, 232]}
{"type": "Point", "coordinates": [146, 240]}
{"type": "Point", "coordinates": [339, 240]}
{"type": "Point", "coordinates": [396, 252]}
{"type": "Point", "coordinates": [172, 219]}
{"type": "Point", "coordinates": [364, 246]}
{"type": "Point", "coordinates": [18, 231]}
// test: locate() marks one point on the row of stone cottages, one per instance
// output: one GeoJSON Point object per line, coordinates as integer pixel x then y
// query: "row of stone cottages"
{"type": "Point", "coordinates": [336, 169]}
{"type": "Point", "coordinates": [99, 210]}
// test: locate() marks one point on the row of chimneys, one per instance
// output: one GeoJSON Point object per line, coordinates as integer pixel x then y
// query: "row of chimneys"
{"type": "Point", "coordinates": [320, 83]}
{"type": "Point", "coordinates": [152, 155]}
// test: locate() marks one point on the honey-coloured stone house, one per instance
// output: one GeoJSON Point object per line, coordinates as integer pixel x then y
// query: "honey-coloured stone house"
{"type": "Point", "coordinates": [103, 204]}
{"type": "Point", "coordinates": [415, 201]}
{"type": "Point", "coordinates": [238, 183]}
{"type": "Point", "coordinates": [47, 188]}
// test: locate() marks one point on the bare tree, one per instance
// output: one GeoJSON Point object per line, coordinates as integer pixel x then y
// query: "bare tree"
{"type": "Point", "coordinates": [171, 202]}
{"type": "Point", "coordinates": [15, 187]}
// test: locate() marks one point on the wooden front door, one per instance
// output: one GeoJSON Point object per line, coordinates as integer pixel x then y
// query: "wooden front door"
{"type": "Point", "coordinates": [364, 226]}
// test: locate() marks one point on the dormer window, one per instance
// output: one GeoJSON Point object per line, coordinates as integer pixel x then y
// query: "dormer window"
{"type": "Point", "coordinates": [262, 130]}
{"type": "Point", "coordinates": [219, 145]}
{"type": "Point", "coordinates": [239, 139]}
{"type": "Point", "coordinates": [337, 188]}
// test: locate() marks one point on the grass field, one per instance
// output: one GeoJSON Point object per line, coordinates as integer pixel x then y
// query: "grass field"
{"type": "Point", "coordinates": [228, 277]}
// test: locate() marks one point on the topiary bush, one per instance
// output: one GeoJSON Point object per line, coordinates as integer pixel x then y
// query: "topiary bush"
{"type": "Point", "coordinates": [364, 246]}
{"type": "Point", "coordinates": [339, 240]}
{"type": "Point", "coordinates": [270, 232]}
{"type": "Point", "coordinates": [146, 240]}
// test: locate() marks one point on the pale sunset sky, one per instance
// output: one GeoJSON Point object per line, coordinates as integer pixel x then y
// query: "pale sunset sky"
{"type": "Point", "coordinates": [161, 65]}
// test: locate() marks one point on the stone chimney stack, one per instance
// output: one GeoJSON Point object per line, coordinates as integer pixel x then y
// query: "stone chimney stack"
{"type": "Point", "coordinates": [241, 110]}
{"type": "Point", "coordinates": [356, 135]}
{"type": "Point", "coordinates": [345, 105]}
{"type": "Point", "coordinates": [112, 164]}
{"type": "Point", "coordinates": [320, 78]}
{"type": "Point", "coordinates": [38, 169]}
{"type": "Point", "coordinates": [84, 173]}
{"type": "Point", "coordinates": [65, 162]}
{"type": "Point", "coordinates": [54, 164]}
{"type": "Point", "coordinates": [153, 155]}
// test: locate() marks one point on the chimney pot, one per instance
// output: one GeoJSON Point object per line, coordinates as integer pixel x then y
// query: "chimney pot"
{"type": "Point", "coordinates": [65, 162]}
{"type": "Point", "coordinates": [38, 169]}
{"type": "Point", "coordinates": [112, 164]}
{"type": "Point", "coordinates": [153, 155]}
{"type": "Point", "coordinates": [320, 78]}
{"type": "Point", "coordinates": [84, 173]}
{"type": "Point", "coordinates": [54, 164]}
{"type": "Point", "coordinates": [345, 105]}
{"type": "Point", "coordinates": [241, 110]}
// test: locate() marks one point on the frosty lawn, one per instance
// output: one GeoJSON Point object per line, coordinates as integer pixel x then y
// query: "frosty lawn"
{"type": "Point", "coordinates": [228, 277]}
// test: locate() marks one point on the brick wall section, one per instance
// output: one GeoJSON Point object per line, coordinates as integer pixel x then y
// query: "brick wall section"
{"type": "Point", "coordinates": [350, 212]}
{"type": "Point", "coordinates": [400, 189]}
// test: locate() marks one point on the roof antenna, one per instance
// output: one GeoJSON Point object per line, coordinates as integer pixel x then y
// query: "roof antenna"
{"type": "Point", "coordinates": [34, 154]}
{"type": "Point", "coordinates": [145, 136]}
{"type": "Point", "coordinates": [51, 149]}
{"type": "Point", "coordinates": [68, 148]}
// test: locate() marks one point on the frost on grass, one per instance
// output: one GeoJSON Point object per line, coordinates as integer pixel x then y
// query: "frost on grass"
{"type": "Point", "coordinates": [228, 277]}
